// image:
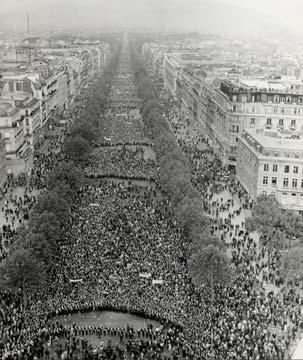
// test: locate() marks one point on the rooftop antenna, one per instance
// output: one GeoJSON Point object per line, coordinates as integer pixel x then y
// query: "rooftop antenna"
{"type": "Point", "coordinates": [29, 51]}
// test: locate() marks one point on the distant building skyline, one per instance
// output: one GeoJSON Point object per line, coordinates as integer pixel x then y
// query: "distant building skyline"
{"type": "Point", "coordinates": [223, 17]}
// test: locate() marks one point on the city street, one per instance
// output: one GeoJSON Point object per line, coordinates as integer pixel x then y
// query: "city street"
{"type": "Point", "coordinates": [151, 162]}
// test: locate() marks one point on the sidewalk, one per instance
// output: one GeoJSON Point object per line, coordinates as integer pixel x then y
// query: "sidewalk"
{"type": "Point", "coordinates": [298, 354]}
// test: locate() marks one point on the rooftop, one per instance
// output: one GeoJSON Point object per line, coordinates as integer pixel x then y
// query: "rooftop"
{"type": "Point", "coordinates": [7, 109]}
{"type": "Point", "coordinates": [37, 85]}
{"type": "Point", "coordinates": [270, 87]}
{"type": "Point", "coordinates": [264, 84]}
{"type": "Point", "coordinates": [275, 140]}
{"type": "Point", "coordinates": [284, 84]}
{"type": "Point", "coordinates": [182, 59]}
{"type": "Point", "coordinates": [22, 76]}
{"type": "Point", "coordinates": [26, 103]}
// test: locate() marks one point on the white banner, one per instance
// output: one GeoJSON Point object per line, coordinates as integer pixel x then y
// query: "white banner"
{"type": "Point", "coordinates": [145, 275]}
{"type": "Point", "coordinates": [158, 282]}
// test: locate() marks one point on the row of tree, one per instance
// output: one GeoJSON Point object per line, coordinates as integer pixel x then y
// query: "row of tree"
{"type": "Point", "coordinates": [36, 246]}
{"type": "Point", "coordinates": [86, 131]}
{"type": "Point", "coordinates": [207, 258]}
{"type": "Point", "coordinates": [35, 249]}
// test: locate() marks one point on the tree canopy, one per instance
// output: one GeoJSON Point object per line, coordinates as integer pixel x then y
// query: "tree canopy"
{"type": "Point", "coordinates": [66, 179]}
{"type": "Point", "coordinates": [86, 130]}
{"type": "Point", "coordinates": [51, 202]}
{"type": "Point", "coordinates": [277, 226]}
{"type": "Point", "coordinates": [77, 148]}
{"type": "Point", "coordinates": [291, 263]}
{"type": "Point", "coordinates": [22, 269]}
{"type": "Point", "coordinates": [210, 265]}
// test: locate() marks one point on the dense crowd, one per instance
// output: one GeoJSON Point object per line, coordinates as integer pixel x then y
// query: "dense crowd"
{"type": "Point", "coordinates": [126, 127]}
{"type": "Point", "coordinates": [123, 162]}
{"type": "Point", "coordinates": [123, 250]}
{"type": "Point", "coordinates": [65, 342]}
{"type": "Point", "coordinates": [111, 214]}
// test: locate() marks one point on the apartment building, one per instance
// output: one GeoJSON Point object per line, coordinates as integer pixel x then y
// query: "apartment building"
{"type": "Point", "coordinates": [17, 153]}
{"type": "Point", "coordinates": [3, 171]}
{"type": "Point", "coordinates": [36, 85]}
{"type": "Point", "coordinates": [20, 89]}
{"type": "Point", "coordinates": [271, 163]}
{"type": "Point", "coordinates": [30, 111]}
{"type": "Point", "coordinates": [154, 55]}
{"type": "Point", "coordinates": [174, 65]}
{"type": "Point", "coordinates": [172, 69]}
{"type": "Point", "coordinates": [188, 94]}
{"type": "Point", "coordinates": [232, 107]}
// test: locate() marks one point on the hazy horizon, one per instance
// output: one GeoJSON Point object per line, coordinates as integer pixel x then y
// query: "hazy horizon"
{"type": "Point", "coordinates": [230, 17]}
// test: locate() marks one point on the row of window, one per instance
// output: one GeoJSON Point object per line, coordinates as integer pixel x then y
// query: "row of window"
{"type": "Point", "coordinates": [274, 181]}
{"type": "Point", "coordinates": [286, 168]}
{"type": "Point", "coordinates": [293, 122]}
{"type": "Point", "coordinates": [277, 154]}
{"type": "Point", "coordinates": [295, 169]}
{"type": "Point", "coordinates": [274, 110]}
{"type": "Point", "coordinates": [284, 194]}
{"type": "Point", "coordinates": [274, 167]}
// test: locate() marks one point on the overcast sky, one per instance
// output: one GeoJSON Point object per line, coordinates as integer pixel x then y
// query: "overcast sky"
{"type": "Point", "coordinates": [210, 16]}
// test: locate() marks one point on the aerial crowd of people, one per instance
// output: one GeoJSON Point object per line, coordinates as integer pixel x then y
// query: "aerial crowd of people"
{"type": "Point", "coordinates": [122, 250]}
{"type": "Point", "coordinates": [120, 162]}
